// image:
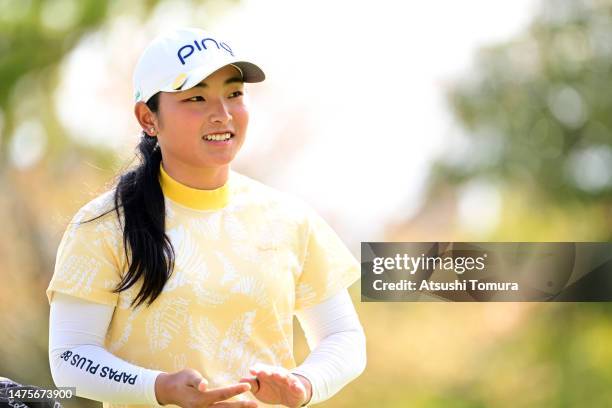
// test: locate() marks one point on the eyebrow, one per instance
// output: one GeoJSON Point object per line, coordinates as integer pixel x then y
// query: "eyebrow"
{"type": "Point", "coordinates": [227, 82]}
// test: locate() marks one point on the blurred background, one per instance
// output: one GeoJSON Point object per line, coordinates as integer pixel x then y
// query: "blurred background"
{"type": "Point", "coordinates": [397, 121]}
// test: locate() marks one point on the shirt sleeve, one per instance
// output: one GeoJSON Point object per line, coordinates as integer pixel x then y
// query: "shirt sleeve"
{"type": "Point", "coordinates": [328, 265]}
{"type": "Point", "coordinates": [77, 356]}
{"type": "Point", "coordinates": [88, 263]}
{"type": "Point", "coordinates": [338, 346]}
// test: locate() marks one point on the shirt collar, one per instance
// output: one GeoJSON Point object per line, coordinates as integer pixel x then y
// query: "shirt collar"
{"type": "Point", "coordinates": [192, 197]}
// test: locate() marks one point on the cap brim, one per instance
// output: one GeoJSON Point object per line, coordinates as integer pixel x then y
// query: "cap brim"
{"type": "Point", "coordinates": [250, 71]}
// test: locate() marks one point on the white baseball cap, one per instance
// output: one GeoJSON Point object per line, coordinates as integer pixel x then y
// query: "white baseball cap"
{"type": "Point", "coordinates": [179, 59]}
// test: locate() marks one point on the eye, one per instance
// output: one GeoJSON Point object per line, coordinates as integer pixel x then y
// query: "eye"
{"type": "Point", "coordinates": [236, 94]}
{"type": "Point", "coordinates": [193, 99]}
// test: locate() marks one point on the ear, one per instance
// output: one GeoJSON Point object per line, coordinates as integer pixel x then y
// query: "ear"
{"type": "Point", "coordinates": [146, 118]}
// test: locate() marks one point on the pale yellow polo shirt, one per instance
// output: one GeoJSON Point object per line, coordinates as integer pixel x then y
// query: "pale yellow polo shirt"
{"type": "Point", "coordinates": [247, 256]}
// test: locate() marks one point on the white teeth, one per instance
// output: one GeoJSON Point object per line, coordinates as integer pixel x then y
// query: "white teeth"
{"type": "Point", "coordinates": [219, 136]}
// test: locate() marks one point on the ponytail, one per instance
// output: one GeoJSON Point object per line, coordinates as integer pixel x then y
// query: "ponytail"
{"type": "Point", "coordinates": [139, 193]}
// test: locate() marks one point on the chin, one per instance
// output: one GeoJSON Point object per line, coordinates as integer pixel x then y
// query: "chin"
{"type": "Point", "coordinates": [218, 162]}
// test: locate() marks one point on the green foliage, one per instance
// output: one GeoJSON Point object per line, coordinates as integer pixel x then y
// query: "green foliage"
{"type": "Point", "coordinates": [33, 44]}
{"type": "Point", "coordinates": [537, 108]}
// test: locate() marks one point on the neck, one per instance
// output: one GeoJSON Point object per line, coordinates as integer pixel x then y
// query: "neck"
{"type": "Point", "coordinates": [195, 198]}
{"type": "Point", "coordinates": [201, 178]}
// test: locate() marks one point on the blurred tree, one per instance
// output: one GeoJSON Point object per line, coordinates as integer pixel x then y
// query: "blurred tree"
{"type": "Point", "coordinates": [33, 43]}
{"type": "Point", "coordinates": [537, 110]}
{"type": "Point", "coordinates": [29, 47]}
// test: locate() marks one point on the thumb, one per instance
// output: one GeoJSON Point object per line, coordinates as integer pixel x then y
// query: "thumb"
{"type": "Point", "coordinates": [202, 385]}
{"type": "Point", "coordinates": [196, 380]}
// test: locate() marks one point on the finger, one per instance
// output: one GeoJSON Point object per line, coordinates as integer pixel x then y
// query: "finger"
{"type": "Point", "coordinates": [220, 394]}
{"type": "Point", "coordinates": [260, 376]}
{"type": "Point", "coordinates": [256, 371]}
{"type": "Point", "coordinates": [278, 376]}
{"type": "Point", "coordinates": [203, 385]}
{"type": "Point", "coordinates": [253, 382]}
{"type": "Point", "coordinates": [194, 379]}
{"type": "Point", "coordinates": [281, 378]}
{"type": "Point", "coordinates": [298, 387]}
{"type": "Point", "coordinates": [296, 383]}
{"type": "Point", "coordinates": [290, 382]}
{"type": "Point", "coordinates": [265, 371]}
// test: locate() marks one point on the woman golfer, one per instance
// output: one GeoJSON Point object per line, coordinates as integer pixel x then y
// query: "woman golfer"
{"type": "Point", "coordinates": [178, 287]}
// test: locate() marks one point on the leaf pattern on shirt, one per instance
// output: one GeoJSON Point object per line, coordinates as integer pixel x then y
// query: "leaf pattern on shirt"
{"type": "Point", "coordinates": [204, 336]}
{"type": "Point", "coordinates": [252, 287]}
{"type": "Point", "coordinates": [232, 351]}
{"type": "Point", "coordinates": [274, 321]}
{"type": "Point", "coordinates": [206, 296]}
{"type": "Point", "coordinates": [179, 361]}
{"type": "Point", "coordinates": [123, 338]}
{"type": "Point", "coordinates": [166, 322]}
{"type": "Point", "coordinates": [208, 226]}
{"type": "Point", "coordinates": [170, 212]}
{"type": "Point", "coordinates": [187, 258]}
{"type": "Point", "coordinates": [126, 297]}
{"type": "Point", "coordinates": [246, 251]}
{"type": "Point", "coordinates": [239, 333]}
{"type": "Point", "coordinates": [191, 268]}
{"type": "Point", "coordinates": [229, 271]}
{"type": "Point", "coordinates": [233, 228]}
{"type": "Point", "coordinates": [274, 232]}
{"type": "Point", "coordinates": [78, 273]}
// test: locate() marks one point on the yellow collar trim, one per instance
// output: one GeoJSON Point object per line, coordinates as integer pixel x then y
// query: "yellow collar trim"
{"type": "Point", "coordinates": [193, 197]}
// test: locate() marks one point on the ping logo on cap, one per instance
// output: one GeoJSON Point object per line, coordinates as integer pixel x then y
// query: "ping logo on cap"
{"type": "Point", "coordinates": [186, 50]}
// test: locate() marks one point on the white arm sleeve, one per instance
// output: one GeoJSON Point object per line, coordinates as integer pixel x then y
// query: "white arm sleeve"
{"type": "Point", "coordinates": [337, 341]}
{"type": "Point", "coordinates": [77, 356]}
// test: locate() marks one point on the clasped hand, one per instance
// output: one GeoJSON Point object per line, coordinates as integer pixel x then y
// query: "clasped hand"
{"type": "Point", "coordinates": [276, 385]}
{"type": "Point", "coordinates": [271, 384]}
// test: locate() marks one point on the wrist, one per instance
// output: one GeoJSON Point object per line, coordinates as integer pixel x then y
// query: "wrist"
{"type": "Point", "coordinates": [307, 386]}
{"type": "Point", "coordinates": [161, 388]}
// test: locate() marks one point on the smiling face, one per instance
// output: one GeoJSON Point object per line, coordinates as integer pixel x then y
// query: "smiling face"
{"type": "Point", "coordinates": [189, 125]}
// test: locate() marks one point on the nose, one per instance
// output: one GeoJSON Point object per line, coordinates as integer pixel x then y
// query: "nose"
{"type": "Point", "coordinates": [219, 112]}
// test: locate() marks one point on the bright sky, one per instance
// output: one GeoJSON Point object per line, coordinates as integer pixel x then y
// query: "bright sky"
{"type": "Point", "coordinates": [364, 80]}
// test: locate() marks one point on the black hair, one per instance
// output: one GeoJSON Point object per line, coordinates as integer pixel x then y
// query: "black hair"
{"type": "Point", "coordinates": [140, 195]}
